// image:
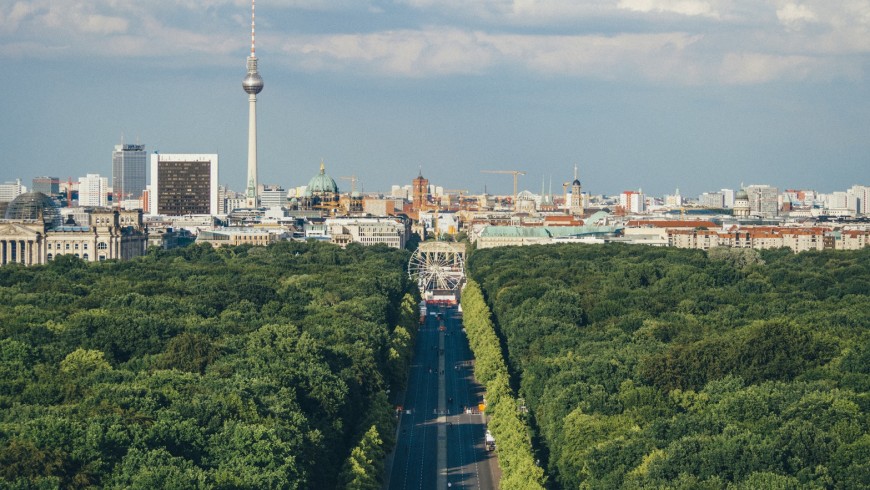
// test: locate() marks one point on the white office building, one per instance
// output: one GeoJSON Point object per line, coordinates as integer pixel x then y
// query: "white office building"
{"type": "Point", "coordinates": [93, 191]}
{"type": "Point", "coordinates": [10, 190]}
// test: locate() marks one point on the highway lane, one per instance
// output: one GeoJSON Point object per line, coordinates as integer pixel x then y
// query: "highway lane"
{"type": "Point", "coordinates": [470, 465]}
{"type": "Point", "coordinates": [415, 461]}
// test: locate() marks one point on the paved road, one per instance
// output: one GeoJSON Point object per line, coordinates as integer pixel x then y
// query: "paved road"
{"type": "Point", "coordinates": [415, 462]}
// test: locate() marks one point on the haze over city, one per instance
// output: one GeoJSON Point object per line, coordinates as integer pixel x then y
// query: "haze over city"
{"type": "Point", "coordinates": [652, 94]}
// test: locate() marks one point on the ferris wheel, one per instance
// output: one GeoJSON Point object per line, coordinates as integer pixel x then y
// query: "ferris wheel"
{"type": "Point", "coordinates": [438, 265]}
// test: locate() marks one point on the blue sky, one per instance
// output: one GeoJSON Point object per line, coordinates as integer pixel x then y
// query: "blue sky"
{"type": "Point", "coordinates": [651, 94]}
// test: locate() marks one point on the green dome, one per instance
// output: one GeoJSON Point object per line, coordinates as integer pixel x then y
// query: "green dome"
{"type": "Point", "coordinates": [741, 194]}
{"type": "Point", "coordinates": [321, 184]}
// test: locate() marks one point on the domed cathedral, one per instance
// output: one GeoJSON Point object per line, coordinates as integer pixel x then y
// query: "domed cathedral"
{"type": "Point", "coordinates": [741, 204]}
{"type": "Point", "coordinates": [321, 193]}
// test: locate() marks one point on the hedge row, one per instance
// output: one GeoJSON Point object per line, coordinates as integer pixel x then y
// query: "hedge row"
{"type": "Point", "coordinates": [517, 462]}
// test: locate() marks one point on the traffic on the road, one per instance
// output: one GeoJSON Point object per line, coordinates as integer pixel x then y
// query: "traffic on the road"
{"type": "Point", "coordinates": [442, 438]}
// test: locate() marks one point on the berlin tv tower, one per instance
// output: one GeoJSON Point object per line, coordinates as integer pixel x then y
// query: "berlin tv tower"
{"type": "Point", "coordinates": [253, 85]}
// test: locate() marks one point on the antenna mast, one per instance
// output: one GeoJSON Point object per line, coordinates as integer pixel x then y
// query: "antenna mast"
{"type": "Point", "coordinates": [253, 43]}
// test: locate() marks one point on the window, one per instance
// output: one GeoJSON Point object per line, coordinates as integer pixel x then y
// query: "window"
{"type": "Point", "coordinates": [85, 256]}
{"type": "Point", "coordinates": [67, 246]}
{"type": "Point", "coordinates": [76, 246]}
{"type": "Point", "coordinates": [102, 246]}
{"type": "Point", "coordinates": [102, 258]}
{"type": "Point", "coordinates": [85, 246]}
{"type": "Point", "coordinates": [50, 257]}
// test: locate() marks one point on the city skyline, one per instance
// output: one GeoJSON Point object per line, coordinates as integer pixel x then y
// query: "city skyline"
{"type": "Point", "coordinates": [655, 95]}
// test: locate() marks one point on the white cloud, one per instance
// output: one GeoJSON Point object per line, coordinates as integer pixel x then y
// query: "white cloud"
{"type": "Point", "coordinates": [449, 51]}
{"type": "Point", "coordinates": [11, 18]}
{"type": "Point", "coordinates": [397, 53]}
{"type": "Point", "coordinates": [754, 68]}
{"type": "Point", "coordinates": [681, 7]}
{"type": "Point", "coordinates": [794, 16]}
{"type": "Point", "coordinates": [664, 41]}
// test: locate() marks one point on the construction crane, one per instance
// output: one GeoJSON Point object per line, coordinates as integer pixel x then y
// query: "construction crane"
{"type": "Point", "coordinates": [515, 173]}
{"type": "Point", "coordinates": [353, 182]}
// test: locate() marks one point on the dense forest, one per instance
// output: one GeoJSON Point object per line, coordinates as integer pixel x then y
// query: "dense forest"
{"type": "Point", "coordinates": [669, 368]}
{"type": "Point", "coordinates": [241, 367]}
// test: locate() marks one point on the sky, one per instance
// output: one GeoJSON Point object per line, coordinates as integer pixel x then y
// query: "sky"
{"type": "Point", "coordinates": [638, 94]}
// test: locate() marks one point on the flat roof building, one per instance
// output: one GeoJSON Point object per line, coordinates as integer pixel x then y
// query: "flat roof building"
{"type": "Point", "coordinates": [184, 184]}
{"type": "Point", "coordinates": [129, 167]}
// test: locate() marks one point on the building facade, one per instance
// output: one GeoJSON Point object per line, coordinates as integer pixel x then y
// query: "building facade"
{"type": "Point", "coordinates": [11, 190]}
{"type": "Point", "coordinates": [763, 200]}
{"type": "Point", "coordinates": [93, 191]}
{"type": "Point", "coordinates": [392, 232]}
{"type": "Point", "coordinates": [229, 237]}
{"type": "Point", "coordinates": [50, 186]}
{"type": "Point", "coordinates": [108, 235]}
{"type": "Point", "coordinates": [419, 192]}
{"type": "Point", "coordinates": [129, 168]}
{"type": "Point", "coordinates": [184, 184]}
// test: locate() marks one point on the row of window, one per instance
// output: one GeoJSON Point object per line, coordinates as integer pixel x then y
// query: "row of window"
{"type": "Point", "coordinates": [75, 246]}
{"type": "Point", "coordinates": [83, 256]}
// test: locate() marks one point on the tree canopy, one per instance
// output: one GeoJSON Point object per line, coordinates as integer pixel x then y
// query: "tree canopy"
{"type": "Point", "coordinates": [669, 368]}
{"type": "Point", "coordinates": [245, 367]}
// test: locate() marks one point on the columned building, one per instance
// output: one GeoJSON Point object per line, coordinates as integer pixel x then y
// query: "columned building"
{"type": "Point", "coordinates": [32, 233]}
{"type": "Point", "coordinates": [741, 208]}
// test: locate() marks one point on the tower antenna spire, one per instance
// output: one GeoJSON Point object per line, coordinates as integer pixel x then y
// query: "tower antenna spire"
{"type": "Point", "coordinates": [253, 85]}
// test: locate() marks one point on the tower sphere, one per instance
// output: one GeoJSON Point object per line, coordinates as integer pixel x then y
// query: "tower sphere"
{"type": "Point", "coordinates": [253, 83]}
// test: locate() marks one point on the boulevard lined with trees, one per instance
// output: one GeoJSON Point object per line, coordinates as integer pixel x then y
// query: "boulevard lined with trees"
{"type": "Point", "coordinates": [668, 368]}
{"type": "Point", "coordinates": [241, 367]}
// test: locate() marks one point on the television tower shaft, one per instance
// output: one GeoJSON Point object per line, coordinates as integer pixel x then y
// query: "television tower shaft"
{"type": "Point", "coordinates": [253, 85]}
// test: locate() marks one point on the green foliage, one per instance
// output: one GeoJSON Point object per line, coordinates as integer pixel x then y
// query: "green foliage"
{"type": "Point", "coordinates": [666, 368]}
{"type": "Point", "coordinates": [200, 368]}
{"type": "Point", "coordinates": [515, 456]}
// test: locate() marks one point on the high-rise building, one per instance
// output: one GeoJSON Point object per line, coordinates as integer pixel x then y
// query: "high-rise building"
{"type": "Point", "coordinates": [633, 201]}
{"type": "Point", "coordinates": [861, 195]}
{"type": "Point", "coordinates": [129, 164]}
{"type": "Point", "coordinates": [763, 200]}
{"type": "Point", "coordinates": [272, 196]}
{"type": "Point", "coordinates": [10, 190]}
{"type": "Point", "coordinates": [728, 197]}
{"type": "Point", "coordinates": [93, 191]}
{"type": "Point", "coordinates": [253, 85]}
{"type": "Point", "coordinates": [713, 200]}
{"type": "Point", "coordinates": [49, 186]}
{"type": "Point", "coordinates": [183, 184]}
